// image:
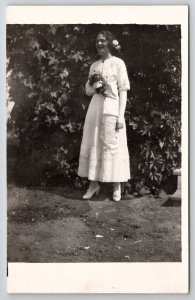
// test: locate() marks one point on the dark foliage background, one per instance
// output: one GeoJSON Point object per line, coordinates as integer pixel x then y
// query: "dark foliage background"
{"type": "Point", "coordinates": [48, 66]}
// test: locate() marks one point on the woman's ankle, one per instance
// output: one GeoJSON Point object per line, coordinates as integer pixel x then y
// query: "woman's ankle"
{"type": "Point", "coordinates": [116, 186]}
{"type": "Point", "coordinates": [93, 184]}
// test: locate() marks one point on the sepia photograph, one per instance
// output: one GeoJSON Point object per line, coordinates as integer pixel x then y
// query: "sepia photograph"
{"type": "Point", "coordinates": [94, 143]}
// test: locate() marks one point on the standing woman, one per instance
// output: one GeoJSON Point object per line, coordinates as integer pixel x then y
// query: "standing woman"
{"type": "Point", "coordinates": [104, 155]}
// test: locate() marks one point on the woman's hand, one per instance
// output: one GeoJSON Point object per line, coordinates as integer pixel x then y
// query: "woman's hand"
{"type": "Point", "coordinates": [120, 123]}
{"type": "Point", "coordinates": [97, 84]}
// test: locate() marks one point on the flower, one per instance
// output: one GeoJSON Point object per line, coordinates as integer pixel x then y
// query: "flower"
{"type": "Point", "coordinates": [98, 78]}
{"type": "Point", "coordinates": [115, 43]}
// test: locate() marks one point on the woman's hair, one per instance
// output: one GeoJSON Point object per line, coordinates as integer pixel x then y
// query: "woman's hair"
{"type": "Point", "coordinates": [110, 38]}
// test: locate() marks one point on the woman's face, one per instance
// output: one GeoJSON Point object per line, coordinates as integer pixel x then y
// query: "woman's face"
{"type": "Point", "coordinates": [102, 45]}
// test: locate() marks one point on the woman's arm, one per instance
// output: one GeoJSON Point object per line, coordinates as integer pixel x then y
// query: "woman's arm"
{"type": "Point", "coordinates": [123, 86]}
{"type": "Point", "coordinates": [122, 106]}
{"type": "Point", "coordinates": [89, 90]}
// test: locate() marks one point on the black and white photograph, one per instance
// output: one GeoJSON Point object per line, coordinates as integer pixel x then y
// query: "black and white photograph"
{"type": "Point", "coordinates": [94, 143]}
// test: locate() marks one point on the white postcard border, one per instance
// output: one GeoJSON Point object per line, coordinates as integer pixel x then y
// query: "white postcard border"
{"type": "Point", "coordinates": [110, 277]}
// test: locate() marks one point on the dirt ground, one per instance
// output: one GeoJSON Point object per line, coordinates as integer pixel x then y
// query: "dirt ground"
{"type": "Point", "coordinates": [56, 225]}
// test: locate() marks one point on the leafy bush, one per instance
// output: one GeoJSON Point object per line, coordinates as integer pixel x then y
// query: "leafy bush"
{"type": "Point", "coordinates": [48, 66]}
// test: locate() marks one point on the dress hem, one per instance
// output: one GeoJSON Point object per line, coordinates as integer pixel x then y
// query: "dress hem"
{"type": "Point", "coordinates": [106, 181]}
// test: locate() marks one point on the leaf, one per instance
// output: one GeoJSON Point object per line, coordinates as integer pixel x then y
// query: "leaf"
{"type": "Point", "coordinates": [83, 106]}
{"type": "Point", "coordinates": [151, 166]}
{"type": "Point", "coordinates": [64, 74]}
{"type": "Point", "coordinates": [54, 94]}
{"type": "Point", "coordinates": [41, 54]}
{"type": "Point", "coordinates": [32, 94]}
{"type": "Point", "coordinates": [20, 75]}
{"type": "Point", "coordinates": [28, 83]}
{"type": "Point", "coordinates": [161, 144]}
{"type": "Point", "coordinates": [53, 60]}
{"type": "Point", "coordinates": [55, 119]}
{"type": "Point", "coordinates": [34, 44]}
{"type": "Point", "coordinates": [76, 28]}
{"type": "Point", "coordinates": [152, 154]}
{"type": "Point", "coordinates": [77, 57]}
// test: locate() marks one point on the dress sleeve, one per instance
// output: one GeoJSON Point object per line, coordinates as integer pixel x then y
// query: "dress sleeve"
{"type": "Point", "coordinates": [122, 77]}
{"type": "Point", "coordinates": [90, 91]}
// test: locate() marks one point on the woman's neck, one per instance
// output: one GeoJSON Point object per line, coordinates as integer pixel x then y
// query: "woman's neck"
{"type": "Point", "coordinates": [106, 56]}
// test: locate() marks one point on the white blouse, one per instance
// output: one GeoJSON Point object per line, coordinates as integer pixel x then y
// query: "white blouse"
{"type": "Point", "coordinates": [114, 72]}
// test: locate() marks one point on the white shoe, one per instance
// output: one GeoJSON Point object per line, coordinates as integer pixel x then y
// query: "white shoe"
{"type": "Point", "coordinates": [90, 193]}
{"type": "Point", "coordinates": [117, 195]}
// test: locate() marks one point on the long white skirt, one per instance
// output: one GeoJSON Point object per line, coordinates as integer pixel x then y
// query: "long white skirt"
{"type": "Point", "coordinates": [104, 154]}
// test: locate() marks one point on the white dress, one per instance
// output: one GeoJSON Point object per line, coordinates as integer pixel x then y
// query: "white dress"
{"type": "Point", "coordinates": [104, 154]}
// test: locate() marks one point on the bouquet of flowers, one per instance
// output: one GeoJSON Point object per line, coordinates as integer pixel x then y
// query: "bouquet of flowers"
{"type": "Point", "coordinates": [98, 81]}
